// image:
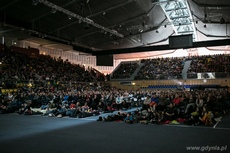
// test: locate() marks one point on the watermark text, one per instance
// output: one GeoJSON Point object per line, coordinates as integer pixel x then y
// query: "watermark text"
{"type": "Point", "coordinates": [207, 148]}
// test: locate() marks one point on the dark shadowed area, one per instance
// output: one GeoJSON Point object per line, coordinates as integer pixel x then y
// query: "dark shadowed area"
{"type": "Point", "coordinates": [37, 134]}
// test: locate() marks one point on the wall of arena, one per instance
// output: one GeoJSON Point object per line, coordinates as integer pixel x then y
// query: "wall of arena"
{"type": "Point", "coordinates": [143, 84]}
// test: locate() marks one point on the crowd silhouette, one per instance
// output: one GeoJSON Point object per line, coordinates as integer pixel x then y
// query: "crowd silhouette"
{"type": "Point", "coordinates": [56, 88]}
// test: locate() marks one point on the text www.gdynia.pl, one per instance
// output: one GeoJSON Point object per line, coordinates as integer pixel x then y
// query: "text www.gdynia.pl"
{"type": "Point", "coordinates": [206, 148]}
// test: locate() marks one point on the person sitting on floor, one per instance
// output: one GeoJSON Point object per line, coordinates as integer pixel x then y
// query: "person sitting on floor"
{"type": "Point", "coordinates": [129, 118]}
{"type": "Point", "coordinates": [142, 116]}
{"type": "Point", "coordinates": [170, 112]}
{"type": "Point", "coordinates": [194, 117]}
{"type": "Point", "coordinates": [206, 117]}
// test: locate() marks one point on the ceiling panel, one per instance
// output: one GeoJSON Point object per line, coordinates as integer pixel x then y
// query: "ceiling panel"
{"type": "Point", "coordinates": [141, 22]}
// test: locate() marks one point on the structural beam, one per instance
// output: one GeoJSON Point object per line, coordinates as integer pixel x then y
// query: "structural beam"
{"type": "Point", "coordinates": [210, 43]}
{"type": "Point", "coordinates": [80, 18]}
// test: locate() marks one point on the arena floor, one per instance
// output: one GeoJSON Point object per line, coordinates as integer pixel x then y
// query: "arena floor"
{"type": "Point", "coordinates": [39, 134]}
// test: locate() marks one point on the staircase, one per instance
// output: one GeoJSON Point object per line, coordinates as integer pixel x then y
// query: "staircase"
{"type": "Point", "coordinates": [136, 71]}
{"type": "Point", "coordinates": [132, 76]}
{"type": "Point", "coordinates": [185, 69]}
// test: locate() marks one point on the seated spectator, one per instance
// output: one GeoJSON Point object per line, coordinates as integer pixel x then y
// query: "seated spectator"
{"type": "Point", "coordinates": [142, 116]}
{"type": "Point", "coordinates": [170, 113]}
{"type": "Point", "coordinates": [156, 117]}
{"type": "Point", "coordinates": [207, 117]}
{"type": "Point", "coordinates": [177, 100]}
{"type": "Point", "coordinates": [129, 118]}
{"type": "Point", "coordinates": [190, 106]}
{"type": "Point", "coordinates": [71, 110]}
{"type": "Point", "coordinates": [146, 103]}
{"type": "Point", "coordinates": [120, 116]}
{"type": "Point", "coordinates": [47, 111]}
{"type": "Point", "coordinates": [101, 107]}
{"type": "Point", "coordinates": [194, 117]}
{"type": "Point", "coordinates": [25, 109]}
{"type": "Point", "coordinates": [60, 111]}
{"type": "Point", "coordinates": [125, 70]}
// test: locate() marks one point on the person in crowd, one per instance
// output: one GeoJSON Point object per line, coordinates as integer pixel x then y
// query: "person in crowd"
{"type": "Point", "coordinates": [193, 119]}
{"type": "Point", "coordinates": [206, 117]}
{"type": "Point", "coordinates": [129, 118]}
{"type": "Point", "coordinates": [170, 113]}
{"type": "Point", "coordinates": [147, 102]}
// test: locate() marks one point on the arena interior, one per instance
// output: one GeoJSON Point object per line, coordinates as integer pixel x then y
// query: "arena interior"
{"type": "Point", "coordinates": [114, 76]}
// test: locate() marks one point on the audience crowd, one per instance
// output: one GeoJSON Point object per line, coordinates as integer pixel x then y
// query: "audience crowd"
{"type": "Point", "coordinates": [58, 88]}
{"type": "Point", "coordinates": [161, 68]}
{"type": "Point", "coordinates": [199, 107]}
{"type": "Point", "coordinates": [210, 63]}
{"type": "Point", "coordinates": [171, 68]}
{"type": "Point", "coordinates": [125, 70]}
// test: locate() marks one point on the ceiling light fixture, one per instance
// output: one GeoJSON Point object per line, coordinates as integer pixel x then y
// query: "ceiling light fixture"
{"type": "Point", "coordinates": [222, 21]}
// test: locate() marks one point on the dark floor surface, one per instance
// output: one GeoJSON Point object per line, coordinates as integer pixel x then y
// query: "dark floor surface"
{"type": "Point", "coordinates": [38, 134]}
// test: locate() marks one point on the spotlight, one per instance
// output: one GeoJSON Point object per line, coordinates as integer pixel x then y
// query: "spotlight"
{"type": "Point", "coordinates": [165, 26]}
{"type": "Point", "coordinates": [196, 22]}
{"type": "Point", "coordinates": [205, 26]}
{"type": "Point", "coordinates": [69, 17]}
{"type": "Point", "coordinates": [222, 21]}
{"type": "Point", "coordinates": [157, 31]}
{"type": "Point", "coordinates": [205, 15]}
{"type": "Point", "coordinates": [143, 23]}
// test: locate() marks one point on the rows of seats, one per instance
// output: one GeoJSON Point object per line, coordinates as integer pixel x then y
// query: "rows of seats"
{"type": "Point", "coordinates": [161, 68]}
{"type": "Point", "coordinates": [125, 70]}
{"type": "Point", "coordinates": [20, 67]}
{"type": "Point", "coordinates": [210, 63]}
{"type": "Point", "coordinates": [195, 86]}
{"type": "Point", "coordinates": [162, 86]}
{"type": "Point", "coordinates": [171, 68]}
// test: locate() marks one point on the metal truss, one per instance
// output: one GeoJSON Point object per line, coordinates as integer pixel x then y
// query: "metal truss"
{"type": "Point", "coordinates": [80, 18]}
